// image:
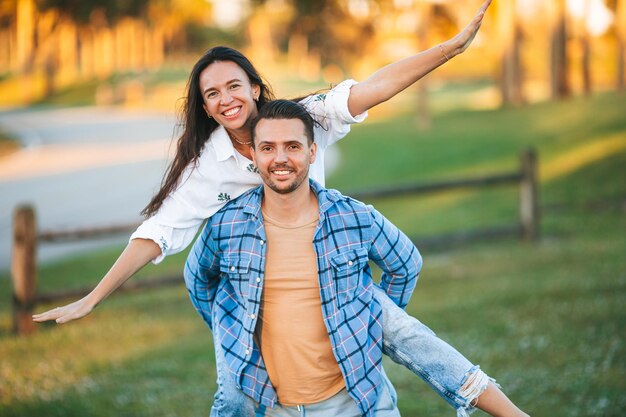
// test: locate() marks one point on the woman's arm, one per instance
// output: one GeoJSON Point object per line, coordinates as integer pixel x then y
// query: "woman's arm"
{"type": "Point", "coordinates": [393, 78]}
{"type": "Point", "coordinates": [136, 255]}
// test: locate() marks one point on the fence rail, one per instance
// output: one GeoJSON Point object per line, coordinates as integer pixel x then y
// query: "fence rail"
{"type": "Point", "coordinates": [69, 235]}
{"type": "Point", "coordinates": [26, 238]}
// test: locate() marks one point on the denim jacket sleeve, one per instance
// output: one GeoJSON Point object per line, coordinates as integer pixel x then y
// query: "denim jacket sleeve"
{"type": "Point", "coordinates": [202, 274]}
{"type": "Point", "coordinates": [397, 257]}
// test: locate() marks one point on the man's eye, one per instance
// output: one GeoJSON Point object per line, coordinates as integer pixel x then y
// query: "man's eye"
{"type": "Point", "coordinates": [234, 86]}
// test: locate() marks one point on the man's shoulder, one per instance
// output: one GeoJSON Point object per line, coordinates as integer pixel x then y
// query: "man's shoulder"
{"type": "Point", "coordinates": [344, 202]}
{"type": "Point", "coordinates": [344, 211]}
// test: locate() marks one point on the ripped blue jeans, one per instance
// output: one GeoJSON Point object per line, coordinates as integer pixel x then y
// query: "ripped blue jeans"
{"type": "Point", "coordinates": [407, 342]}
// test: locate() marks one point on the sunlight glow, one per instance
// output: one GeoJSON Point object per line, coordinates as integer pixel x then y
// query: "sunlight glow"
{"type": "Point", "coordinates": [228, 14]}
{"type": "Point", "coordinates": [359, 8]}
{"type": "Point", "coordinates": [598, 18]}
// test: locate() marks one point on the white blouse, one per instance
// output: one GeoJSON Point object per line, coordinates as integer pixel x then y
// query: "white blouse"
{"type": "Point", "coordinates": [221, 174]}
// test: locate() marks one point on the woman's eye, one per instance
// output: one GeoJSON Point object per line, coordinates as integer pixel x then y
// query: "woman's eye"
{"type": "Point", "coordinates": [211, 95]}
{"type": "Point", "coordinates": [234, 86]}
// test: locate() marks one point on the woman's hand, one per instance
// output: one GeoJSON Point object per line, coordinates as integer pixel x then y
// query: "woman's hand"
{"type": "Point", "coordinates": [136, 255]}
{"type": "Point", "coordinates": [394, 78]}
{"type": "Point", "coordinates": [463, 39]}
{"type": "Point", "coordinates": [73, 311]}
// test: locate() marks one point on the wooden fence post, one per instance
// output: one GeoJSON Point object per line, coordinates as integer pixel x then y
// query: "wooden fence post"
{"type": "Point", "coordinates": [529, 197]}
{"type": "Point", "coordinates": [24, 269]}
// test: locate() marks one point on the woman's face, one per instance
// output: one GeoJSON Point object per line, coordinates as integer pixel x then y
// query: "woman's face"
{"type": "Point", "coordinates": [228, 95]}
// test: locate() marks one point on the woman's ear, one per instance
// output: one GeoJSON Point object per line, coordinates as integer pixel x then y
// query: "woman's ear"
{"type": "Point", "coordinates": [256, 91]}
{"type": "Point", "coordinates": [206, 110]}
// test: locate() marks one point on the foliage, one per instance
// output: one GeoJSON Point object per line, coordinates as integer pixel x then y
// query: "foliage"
{"type": "Point", "coordinates": [82, 11]}
{"type": "Point", "coordinates": [200, 37]}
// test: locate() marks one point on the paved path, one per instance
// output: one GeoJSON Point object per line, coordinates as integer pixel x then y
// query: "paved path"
{"type": "Point", "coordinates": [81, 167]}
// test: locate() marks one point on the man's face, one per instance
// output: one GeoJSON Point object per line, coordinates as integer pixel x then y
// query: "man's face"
{"type": "Point", "coordinates": [282, 154]}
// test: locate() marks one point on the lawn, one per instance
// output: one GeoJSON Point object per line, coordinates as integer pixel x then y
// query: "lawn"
{"type": "Point", "coordinates": [547, 320]}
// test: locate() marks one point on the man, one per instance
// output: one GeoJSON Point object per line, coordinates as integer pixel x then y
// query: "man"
{"type": "Point", "coordinates": [281, 275]}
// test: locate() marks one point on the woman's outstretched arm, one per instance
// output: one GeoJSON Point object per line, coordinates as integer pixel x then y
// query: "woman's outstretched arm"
{"type": "Point", "coordinates": [393, 78]}
{"type": "Point", "coordinates": [136, 255]}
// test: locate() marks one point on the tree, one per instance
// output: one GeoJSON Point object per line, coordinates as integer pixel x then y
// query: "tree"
{"type": "Point", "coordinates": [423, 109]}
{"type": "Point", "coordinates": [325, 28]}
{"type": "Point", "coordinates": [620, 22]}
{"type": "Point", "coordinates": [80, 11]}
{"type": "Point", "coordinates": [559, 78]}
{"type": "Point", "coordinates": [583, 38]}
{"type": "Point", "coordinates": [510, 35]}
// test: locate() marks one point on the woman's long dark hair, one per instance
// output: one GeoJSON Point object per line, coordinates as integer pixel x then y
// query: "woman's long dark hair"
{"type": "Point", "coordinates": [197, 126]}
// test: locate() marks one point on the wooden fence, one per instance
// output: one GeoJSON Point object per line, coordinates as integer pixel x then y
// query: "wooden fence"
{"type": "Point", "coordinates": [26, 238]}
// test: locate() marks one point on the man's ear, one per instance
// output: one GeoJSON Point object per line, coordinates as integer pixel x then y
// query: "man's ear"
{"type": "Point", "coordinates": [313, 151]}
{"type": "Point", "coordinates": [252, 154]}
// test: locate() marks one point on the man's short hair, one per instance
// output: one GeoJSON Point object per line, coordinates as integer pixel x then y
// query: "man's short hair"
{"type": "Point", "coordinates": [285, 109]}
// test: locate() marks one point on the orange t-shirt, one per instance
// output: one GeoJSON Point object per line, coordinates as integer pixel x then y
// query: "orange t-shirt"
{"type": "Point", "coordinates": [294, 341]}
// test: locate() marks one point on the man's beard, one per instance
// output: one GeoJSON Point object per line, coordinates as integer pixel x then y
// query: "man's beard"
{"type": "Point", "coordinates": [291, 187]}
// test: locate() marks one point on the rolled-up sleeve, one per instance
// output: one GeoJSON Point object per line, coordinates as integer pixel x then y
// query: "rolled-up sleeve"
{"type": "Point", "coordinates": [176, 223]}
{"type": "Point", "coordinates": [171, 240]}
{"type": "Point", "coordinates": [330, 110]}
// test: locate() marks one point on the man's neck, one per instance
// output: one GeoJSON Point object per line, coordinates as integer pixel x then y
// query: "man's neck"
{"type": "Point", "coordinates": [296, 207]}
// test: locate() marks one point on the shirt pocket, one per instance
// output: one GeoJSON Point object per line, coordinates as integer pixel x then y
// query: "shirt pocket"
{"type": "Point", "coordinates": [347, 271]}
{"type": "Point", "coordinates": [236, 269]}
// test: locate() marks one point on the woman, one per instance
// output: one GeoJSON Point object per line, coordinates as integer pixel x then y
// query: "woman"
{"type": "Point", "coordinates": [213, 164]}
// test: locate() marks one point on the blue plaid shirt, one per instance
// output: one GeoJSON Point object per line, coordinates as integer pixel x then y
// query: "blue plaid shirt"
{"type": "Point", "coordinates": [224, 275]}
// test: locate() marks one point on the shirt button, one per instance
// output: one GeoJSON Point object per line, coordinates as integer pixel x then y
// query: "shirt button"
{"type": "Point", "coordinates": [262, 242]}
{"type": "Point", "coordinates": [252, 316]}
{"type": "Point", "coordinates": [247, 352]}
{"type": "Point", "coordinates": [350, 263]}
{"type": "Point", "coordinates": [232, 268]}
{"type": "Point", "coordinates": [258, 279]}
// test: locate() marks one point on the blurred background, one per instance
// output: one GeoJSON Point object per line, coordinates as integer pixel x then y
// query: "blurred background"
{"type": "Point", "coordinates": [531, 289]}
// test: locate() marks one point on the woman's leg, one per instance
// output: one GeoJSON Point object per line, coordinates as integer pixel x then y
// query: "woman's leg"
{"type": "Point", "coordinates": [412, 344]}
{"type": "Point", "coordinates": [228, 401]}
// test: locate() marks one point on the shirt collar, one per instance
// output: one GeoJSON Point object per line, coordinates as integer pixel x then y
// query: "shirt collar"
{"type": "Point", "coordinates": [326, 199]}
{"type": "Point", "coordinates": [224, 148]}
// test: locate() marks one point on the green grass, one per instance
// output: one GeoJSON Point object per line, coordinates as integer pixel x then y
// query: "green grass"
{"type": "Point", "coordinates": [547, 320]}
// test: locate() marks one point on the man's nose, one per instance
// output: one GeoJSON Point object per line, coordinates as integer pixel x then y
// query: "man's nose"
{"type": "Point", "coordinates": [281, 155]}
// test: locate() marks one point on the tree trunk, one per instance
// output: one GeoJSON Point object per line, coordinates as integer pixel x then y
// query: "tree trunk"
{"type": "Point", "coordinates": [510, 34]}
{"type": "Point", "coordinates": [559, 78]}
{"type": "Point", "coordinates": [25, 39]}
{"type": "Point", "coordinates": [585, 42]}
{"type": "Point", "coordinates": [620, 24]}
{"type": "Point", "coordinates": [423, 107]}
